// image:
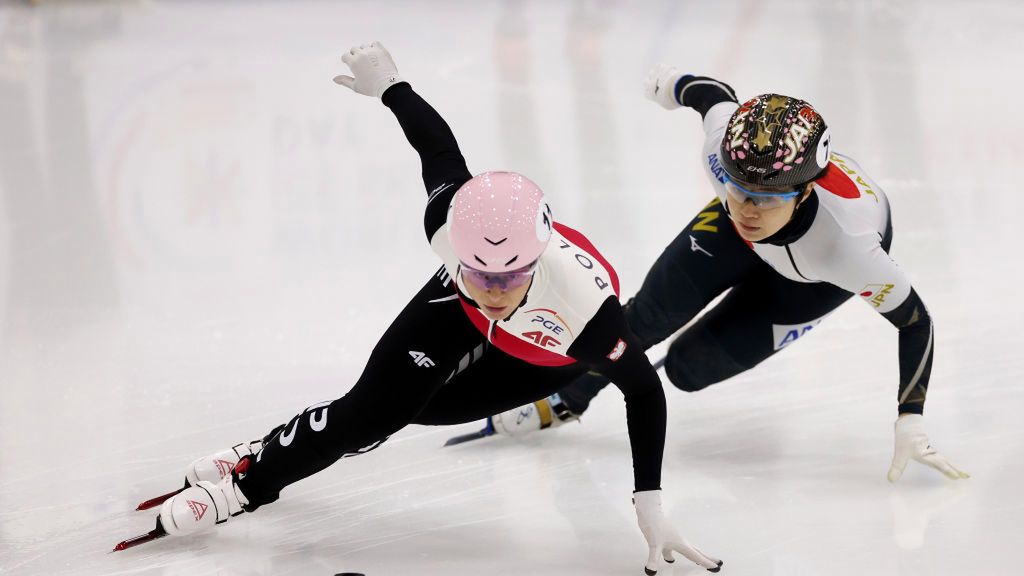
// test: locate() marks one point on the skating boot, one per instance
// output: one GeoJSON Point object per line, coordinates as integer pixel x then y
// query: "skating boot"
{"type": "Point", "coordinates": [210, 468]}
{"type": "Point", "coordinates": [204, 505]}
{"type": "Point", "coordinates": [550, 412]}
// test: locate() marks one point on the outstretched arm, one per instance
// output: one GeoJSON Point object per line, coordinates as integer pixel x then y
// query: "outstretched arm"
{"type": "Point", "coordinates": [917, 340]}
{"type": "Point", "coordinates": [716, 102]}
{"type": "Point", "coordinates": [671, 89]}
{"type": "Point", "coordinates": [444, 168]}
{"type": "Point", "coordinates": [874, 276]}
{"type": "Point", "coordinates": [429, 135]}
{"type": "Point", "coordinates": [609, 347]}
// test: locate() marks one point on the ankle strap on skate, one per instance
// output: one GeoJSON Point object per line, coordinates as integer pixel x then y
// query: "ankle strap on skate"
{"type": "Point", "coordinates": [554, 408]}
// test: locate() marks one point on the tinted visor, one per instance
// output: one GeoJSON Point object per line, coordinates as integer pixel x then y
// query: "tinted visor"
{"type": "Point", "coordinates": [502, 280]}
{"type": "Point", "coordinates": [761, 199]}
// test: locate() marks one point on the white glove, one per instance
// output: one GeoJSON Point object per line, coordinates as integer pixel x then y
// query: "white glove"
{"type": "Point", "coordinates": [660, 85]}
{"type": "Point", "coordinates": [662, 538]}
{"type": "Point", "coordinates": [912, 443]}
{"type": "Point", "coordinates": [373, 68]}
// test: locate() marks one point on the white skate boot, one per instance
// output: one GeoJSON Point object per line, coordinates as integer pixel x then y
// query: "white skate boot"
{"type": "Point", "coordinates": [214, 467]}
{"type": "Point", "coordinates": [210, 468]}
{"type": "Point", "coordinates": [550, 412]}
{"type": "Point", "coordinates": [201, 503]}
{"type": "Point", "coordinates": [202, 506]}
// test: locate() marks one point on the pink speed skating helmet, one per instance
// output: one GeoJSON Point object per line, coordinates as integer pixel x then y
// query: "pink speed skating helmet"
{"type": "Point", "coordinates": [499, 222]}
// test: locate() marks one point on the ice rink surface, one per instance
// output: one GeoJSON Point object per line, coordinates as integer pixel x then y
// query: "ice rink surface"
{"type": "Point", "coordinates": [200, 234]}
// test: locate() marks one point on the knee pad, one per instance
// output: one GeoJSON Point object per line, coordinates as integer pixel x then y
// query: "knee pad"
{"type": "Point", "coordinates": [696, 360]}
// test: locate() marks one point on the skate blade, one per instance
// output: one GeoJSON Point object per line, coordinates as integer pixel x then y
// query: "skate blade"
{"type": "Point", "coordinates": [488, 430]}
{"type": "Point", "coordinates": [454, 440]}
{"type": "Point", "coordinates": [154, 502]}
{"type": "Point", "coordinates": [153, 534]}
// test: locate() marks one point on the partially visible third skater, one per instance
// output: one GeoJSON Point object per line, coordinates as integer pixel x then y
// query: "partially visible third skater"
{"type": "Point", "coordinates": [466, 345]}
{"type": "Point", "coordinates": [795, 230]}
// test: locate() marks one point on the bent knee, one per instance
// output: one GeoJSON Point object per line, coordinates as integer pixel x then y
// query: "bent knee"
{"type": "Point", "coordinates": [696, 360]}
{"type": "Point", "coordinates": [682, 377]}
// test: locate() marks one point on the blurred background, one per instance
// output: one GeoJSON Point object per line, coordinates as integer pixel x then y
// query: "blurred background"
{"type": "Point", "coordinates": [200, 234]}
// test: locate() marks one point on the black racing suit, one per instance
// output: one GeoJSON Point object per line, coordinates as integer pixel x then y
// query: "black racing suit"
{"type": "Point", "coordinates": [434, 366]}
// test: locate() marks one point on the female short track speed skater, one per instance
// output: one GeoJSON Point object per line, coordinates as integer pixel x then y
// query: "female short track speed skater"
{"type": "Point", "coordinates": [795, 230]}
{"type": "Point", "coordinates": [521, 306]}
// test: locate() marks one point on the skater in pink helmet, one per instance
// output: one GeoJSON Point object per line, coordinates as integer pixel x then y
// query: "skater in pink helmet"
{"type": "Point", "coordinates": [521, 306]}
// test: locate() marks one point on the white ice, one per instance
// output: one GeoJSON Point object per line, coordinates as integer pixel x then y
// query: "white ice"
{"type": "Point", "coordinates": [200, 234]}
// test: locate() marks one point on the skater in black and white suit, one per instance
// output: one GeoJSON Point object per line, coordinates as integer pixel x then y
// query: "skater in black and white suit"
{"type": "Point", "coordinates": [795, 229]}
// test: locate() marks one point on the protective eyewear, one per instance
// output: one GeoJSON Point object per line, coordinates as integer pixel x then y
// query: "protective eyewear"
{"type": "Point", "coordinates": [504, 281]}
{"type": "Point", "coordinates": [764, 200]}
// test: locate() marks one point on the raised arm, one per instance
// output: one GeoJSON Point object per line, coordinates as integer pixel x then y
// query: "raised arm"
{"type": "Point", "coordinates": [671, 89]}
{"type": "Point", "coordinates": [429, 135]}
{"type": "Point", "coordinates": [716, 102]}
{"type": "Point", "coordinates": [444, 169]}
